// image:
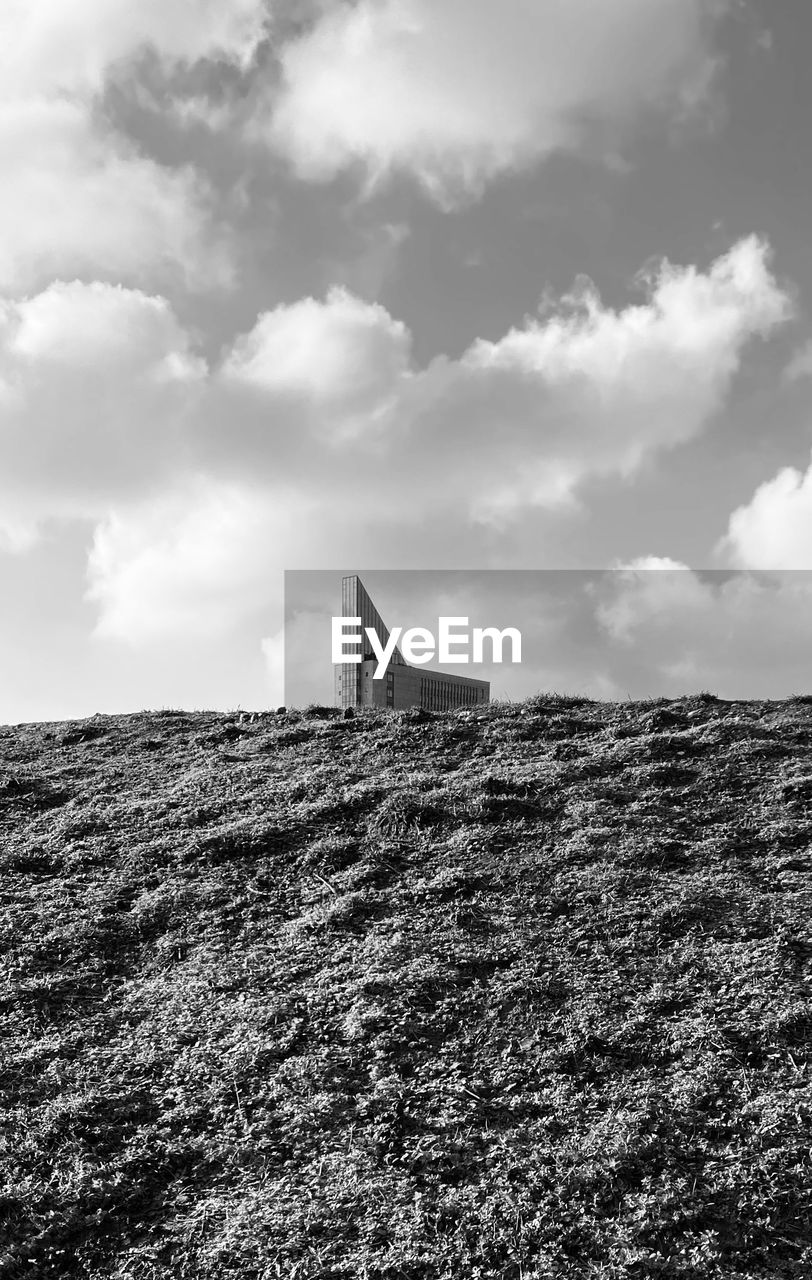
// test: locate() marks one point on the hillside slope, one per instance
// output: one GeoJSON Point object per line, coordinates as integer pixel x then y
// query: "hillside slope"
{"type": "Point", "coordinates": [523, 993]}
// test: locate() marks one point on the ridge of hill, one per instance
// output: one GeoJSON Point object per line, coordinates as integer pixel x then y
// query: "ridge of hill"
{"type": "Point", "coordinates": [517, 993]}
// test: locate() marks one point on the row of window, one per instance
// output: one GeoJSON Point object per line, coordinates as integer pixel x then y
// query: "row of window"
{"type": "Point", "coordinates": [442, 695]}
{"type": "Point", "coordinates": [435, 695]}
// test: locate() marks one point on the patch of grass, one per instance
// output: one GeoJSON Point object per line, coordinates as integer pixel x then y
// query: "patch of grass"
{"type": "Point", "coordinates": [520, 995]}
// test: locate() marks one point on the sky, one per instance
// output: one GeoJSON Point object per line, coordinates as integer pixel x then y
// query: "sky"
{"type": "Point", "coordinates": [388, 284]}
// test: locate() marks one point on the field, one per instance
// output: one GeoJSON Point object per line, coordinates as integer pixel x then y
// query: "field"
{"type": "Point", "coordinates": [520, 993]}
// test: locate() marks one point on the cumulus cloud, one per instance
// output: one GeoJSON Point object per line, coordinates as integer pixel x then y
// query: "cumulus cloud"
{"type": "Point", "coordinates": [460, 91]}
{"type": "Point", "coordinates": [105, 407]}
{"type": "Point", "coordinates": [595, 391]}
{"type": "Point", "coordinates": [196, 561]}
{"type": "Point", "coordinates": [79, 199]}
{"type": "Point", "coordinates": [774, 529]}
{"type": "Point", "coordinates": [95, 383]}
{"type": "Point", "coordinates": [582, 391]}
{"type": "Point", "coordinates": [343, 358]}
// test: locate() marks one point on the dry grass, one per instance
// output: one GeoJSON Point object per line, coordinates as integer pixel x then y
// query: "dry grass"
{"type": "Point", "coordinates": [521, 993]}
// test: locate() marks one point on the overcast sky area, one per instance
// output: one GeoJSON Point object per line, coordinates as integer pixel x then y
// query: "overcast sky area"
{"type": "Point", "coordinates": [389, 284]}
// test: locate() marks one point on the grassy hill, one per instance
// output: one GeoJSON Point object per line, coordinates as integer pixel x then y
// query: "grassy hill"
{"type": "Point", "coordinates": [520, 993]}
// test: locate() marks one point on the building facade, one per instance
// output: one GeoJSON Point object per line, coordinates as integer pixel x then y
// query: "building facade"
{"type": "Point", "coordinates": [402, 686]}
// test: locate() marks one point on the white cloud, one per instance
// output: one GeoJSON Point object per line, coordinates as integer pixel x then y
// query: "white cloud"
{"type": "Point", "coordinates": [660, 563]}
{"type": "Point", "coordinates": [342, 357]}
{"type": "Point", "coordinates": [196, 561]}
{"type": "Point", "coordinates": [581, 392]}
{"type": "Point", "coordinates": [462, 90]}
{"type": "Point", "coordinates": [774, 529]}
{"type": "Point", "coordinates": [48, 47]}
{"type": "Point", "coordinates": [96, 381]}
{"type": "Point", "coordinates": [107, 412]}
{"type": "Point", "coordinates": [591, 391]}
{"type": "Point", "coordinates": [98, 328]}
{"type": "Point", "coordinates": [79, 199]}
{"type": "Point", "coordinates": [80, 202]}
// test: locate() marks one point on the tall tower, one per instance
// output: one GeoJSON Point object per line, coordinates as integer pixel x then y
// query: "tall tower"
{"type": "Point", "coordinates": [403, 685]}
{"type": "Point", "coordinates": [351, 677]}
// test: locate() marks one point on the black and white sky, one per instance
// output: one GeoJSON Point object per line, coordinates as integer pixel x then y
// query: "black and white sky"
{"type": "Point", "coordinates": [304, 284]}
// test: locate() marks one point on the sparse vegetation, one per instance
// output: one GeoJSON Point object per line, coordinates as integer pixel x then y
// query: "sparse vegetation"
{"type": "Point", "coordinates": [518, 993]}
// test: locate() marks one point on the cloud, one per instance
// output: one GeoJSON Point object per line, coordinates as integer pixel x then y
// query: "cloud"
{"type": "Point", "coordinates": [462, 91]}
{"type": "Point", "coordinates": [317, 433]}
{"type": "Point", "coordinates": [774, 529]}
{"type": "Point", "coordinates": [78, 201]}
{"type": "Point", "coordinates": [79, 198]}
{"type": "Point", "coordinates": [740, 634]}
{"type": "Point", "coordinates": [587, 391]}
{"type": "Point", "coordinates": [343, 358]}
{"type": "Point", "coordinates": [579, 392]}
{"type": "Point", "coordinates": [95, 383]}
{"type": "Point", "coordinates": [51, 48]}
{"type": "Point", "coordinates": [196, 561]}
{"type": "Point", "coordinates": [648, 593]}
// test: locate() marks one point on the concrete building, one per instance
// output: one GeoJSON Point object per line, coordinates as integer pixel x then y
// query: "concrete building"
{"type": "Point", "coordinates": [403, 685]}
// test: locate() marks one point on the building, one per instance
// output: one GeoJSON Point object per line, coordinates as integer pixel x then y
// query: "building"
{"type": "Point", "coordinates": [403, 685]}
